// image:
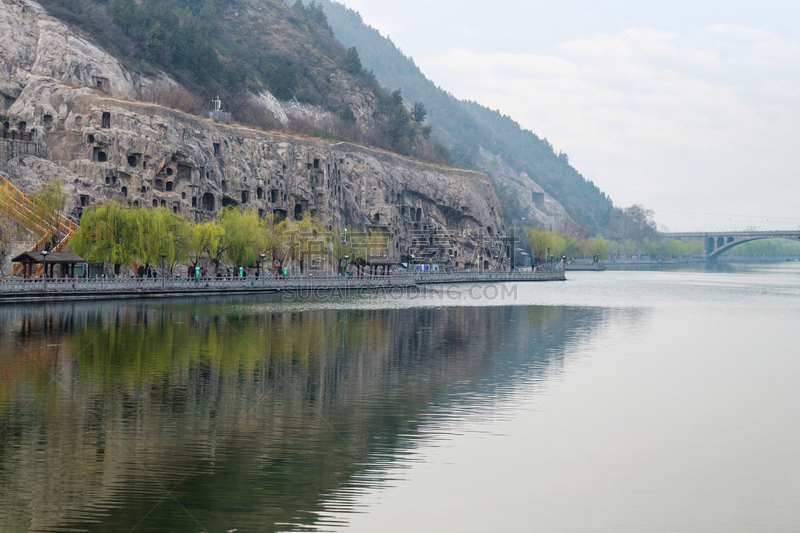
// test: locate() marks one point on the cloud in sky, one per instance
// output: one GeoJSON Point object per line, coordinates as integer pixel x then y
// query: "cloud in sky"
{"type": "Point", "coordinates": [692, 109]}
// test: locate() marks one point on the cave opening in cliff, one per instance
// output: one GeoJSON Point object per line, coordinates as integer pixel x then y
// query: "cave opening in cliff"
{"type": "Point", "coordinates": [184, 172]}
{"type": "Point", "coordinates": [47, 121]}
{"type": "Point", "coordinates": [245, 197]}
{"type": "Point", "coordinates": [216, 149]}
{"type": "Point", "coordinates": [108, 180]}
{"type": "Point", "coordinates": [224, 185]}
{"type": "Point", "coordinates": [144, 189]}
{"type": "Point", "coordinates": [183, 196]}
{"type": "Point", "coordinates": [159, 184]}
{"type": "Point", "coordinates": [260, 193]}
{"type": "Point", "coordinates": [155, 202]}
{"type": "Point", "coordinates": [227, 200]}
{"type": "Point", "coordinates": [175, 209]}
{"type": "Point", "coordinates": [316, 163]}
{"type": "Point", "coordinates": [125, 192]}
{"type": "Point", "coordinates": [6, 125]}
{"type": "Point", "coordinates": [273, 196]}
{"type": "Point", "coordinates": [298, 211]}
{"type": "Point", "coordinates": [169, 171]}
{"type": "Point", "coordinates": [23, 125]}
{"type": "Point", "coordinates": [133, 160]}
{"type": "Point", "coordinates": [90, 139]}
{"type": "Point", "coordinates": [169, 186]}
{"type": "Point", "coordinates": [136, 203]}
{"type": "Point", "coordinates": [106, 120]}
{"type": "Point", "coordinates": [194, 201]}
{"type": "Point", "coordinates": [280, 214]}
{"type": "Point", "coordinates": [99, 155]}
{"type": "Point", "coordinates": [209, 202]}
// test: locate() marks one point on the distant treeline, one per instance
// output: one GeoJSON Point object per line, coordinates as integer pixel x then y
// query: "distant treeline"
{"type": "Point", "coordinates": [766, 247]}
{"type": "Point", "coordinates": [559, 244]}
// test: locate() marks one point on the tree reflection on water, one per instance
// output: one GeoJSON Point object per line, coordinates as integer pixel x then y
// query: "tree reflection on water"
{"type": "Point", "coordinates": [239, 412]}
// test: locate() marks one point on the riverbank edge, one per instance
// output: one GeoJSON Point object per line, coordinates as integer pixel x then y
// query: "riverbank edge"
{"type": "Point", "coordinates": [34, 297]}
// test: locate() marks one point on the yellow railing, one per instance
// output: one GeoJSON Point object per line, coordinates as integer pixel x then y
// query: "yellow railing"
{"type": "Point", "coordinates": [23, 209]}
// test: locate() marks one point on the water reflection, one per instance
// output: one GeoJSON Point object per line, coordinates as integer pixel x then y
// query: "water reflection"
{"type": "Point", "coordinates": [235, 413]}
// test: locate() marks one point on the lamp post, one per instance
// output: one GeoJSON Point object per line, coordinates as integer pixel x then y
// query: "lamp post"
{"type": "Point", "coordinates": [342, 269]}
{"type": "Point", "coordinates": [163, 281]}
{"type": "Point", "coordinates": [261, 272]}
{"type": "Point", "coordinates": [44, 273]}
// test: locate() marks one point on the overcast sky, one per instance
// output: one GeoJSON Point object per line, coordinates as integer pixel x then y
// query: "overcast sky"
{"type": "Point", "coordinates": [691, 108]}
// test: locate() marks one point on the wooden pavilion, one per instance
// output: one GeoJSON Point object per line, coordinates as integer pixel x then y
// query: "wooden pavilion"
{"type": "Point", "coordinates": [65, 260]}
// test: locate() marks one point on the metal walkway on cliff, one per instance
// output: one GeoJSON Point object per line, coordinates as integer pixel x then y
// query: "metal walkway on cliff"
{"type": "Point", "coordinates": [27, 211]}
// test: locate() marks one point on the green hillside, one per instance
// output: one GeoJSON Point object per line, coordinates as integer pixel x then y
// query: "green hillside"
{"type": "Point", "coordinates": [464, 127]}
{"type": "Point", "coordinates": [237, 48]}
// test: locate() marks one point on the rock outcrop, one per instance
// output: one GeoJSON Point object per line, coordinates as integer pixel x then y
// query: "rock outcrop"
{"type": "Point", "coordinates": [148, 155]}
{"type": "Point", "coordinates": [105, 147]}
{"type": "Point", "coordinates": [521, 194]}
{"type": "Point", "coordinates": [33, 44]}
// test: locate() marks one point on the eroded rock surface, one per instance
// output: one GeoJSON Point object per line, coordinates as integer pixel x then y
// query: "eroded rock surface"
{"type": "Point", "coordinates": [523, 194]}
{"type": "Point", "coordinates": [147, 155]}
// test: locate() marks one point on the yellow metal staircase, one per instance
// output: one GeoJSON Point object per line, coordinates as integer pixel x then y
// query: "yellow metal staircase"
{"type": "Point", "coordinates": [22, 208]}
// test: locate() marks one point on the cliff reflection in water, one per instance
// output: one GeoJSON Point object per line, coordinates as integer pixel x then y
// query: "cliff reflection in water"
{"type": "Point", "coordinates": [237, 415]}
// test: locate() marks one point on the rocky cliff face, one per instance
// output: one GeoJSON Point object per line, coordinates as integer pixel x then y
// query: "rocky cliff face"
{"type": "Point", "coordinates": [33, 44]}
{"type": "Point", "coordinates": [521, 194]}
{"type": "Point", "coordinates": [147, 155]}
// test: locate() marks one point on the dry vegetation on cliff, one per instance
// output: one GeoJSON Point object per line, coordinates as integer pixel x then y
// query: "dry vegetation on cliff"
{"type": "Point", "coordinates": [241, 49]}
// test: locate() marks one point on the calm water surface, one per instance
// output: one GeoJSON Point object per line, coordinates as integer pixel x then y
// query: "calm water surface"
{"type": "Point", "coordinates": [618, 401]}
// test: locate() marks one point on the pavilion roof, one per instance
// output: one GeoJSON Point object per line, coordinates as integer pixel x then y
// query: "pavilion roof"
{"type": "Point", "coordinates": [55, 258]}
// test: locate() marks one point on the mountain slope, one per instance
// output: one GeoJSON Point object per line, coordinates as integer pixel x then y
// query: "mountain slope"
{"type": "Point", "coordinates": [275, 67]}
{"type": "Point", "coordinates": [471, 130]}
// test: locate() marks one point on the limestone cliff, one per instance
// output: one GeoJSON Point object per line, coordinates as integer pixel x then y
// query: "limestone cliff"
{"type": "Point", "coordinates": [148, 155]}
{"type": "Point", "coordinates": [33, 44]}
{"type": "Point", "coordinates": [520, 194]}
{"type": "Point", "coordinates": [106, 147]}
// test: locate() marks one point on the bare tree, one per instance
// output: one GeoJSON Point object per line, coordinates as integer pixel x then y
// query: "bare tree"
{"type": "Point", "coordinates": [5, 248]}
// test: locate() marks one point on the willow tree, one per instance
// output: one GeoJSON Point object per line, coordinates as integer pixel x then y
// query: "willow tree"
{"type": "Point", "coordinates": [539, 242]}
{"type": "Point", "coordinates": [273, 229]}
{"type": "Point", "coordinates": [109, 233]}
{"type": "Point", "coordinates": [162, 235]}
{"type": "Point", "coordinates": [304, 238]}
{"type": "Point", "coordinates": [243, 236]}
{"type": "Point", "coordinates": [205, 240]}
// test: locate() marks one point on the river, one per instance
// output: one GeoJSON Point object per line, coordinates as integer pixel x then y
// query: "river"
{"type": "Point", "coordinates": [626, 401]}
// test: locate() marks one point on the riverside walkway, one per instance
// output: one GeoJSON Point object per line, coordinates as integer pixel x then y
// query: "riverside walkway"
{"type": "Point", "coordinates": [21, 290]}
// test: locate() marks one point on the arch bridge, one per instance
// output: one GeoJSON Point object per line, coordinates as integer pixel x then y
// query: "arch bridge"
{"type": "Point", "coordinates": [717, 243]}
